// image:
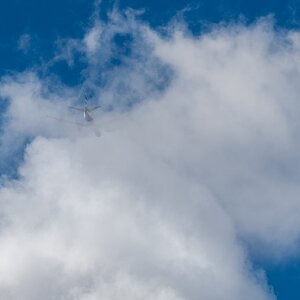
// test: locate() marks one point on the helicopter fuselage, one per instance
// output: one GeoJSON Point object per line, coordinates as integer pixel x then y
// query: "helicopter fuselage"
{"type": "Point", "coordinates": [86, 115]}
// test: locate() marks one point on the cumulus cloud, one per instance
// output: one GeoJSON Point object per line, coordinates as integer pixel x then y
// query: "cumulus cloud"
{"type": "Point", "coordinates": [203, 164]}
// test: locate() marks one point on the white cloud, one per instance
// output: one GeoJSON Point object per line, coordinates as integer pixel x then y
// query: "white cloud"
{"type": "Point", "coordinates": [92, 39]}
{"type": "Point", "coordinates": [155, 208]}
{"type": "Point", "coordinates": [241, 85]}
{"type": "Point", "coordinates": [84, 226]}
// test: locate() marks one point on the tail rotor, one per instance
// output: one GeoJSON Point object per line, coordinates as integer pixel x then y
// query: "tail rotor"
{"type": "Point", "coordinates": [85, 100]}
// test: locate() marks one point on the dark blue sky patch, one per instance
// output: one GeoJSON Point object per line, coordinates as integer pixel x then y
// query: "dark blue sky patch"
{"type": "Point", "coordinates": [70, 74]}
{"type": "Point", "coordinates": [10, 162]}
{"type": "Point", "coordinates": [123, 44]}
{"type": "Point", "coordinates": [285, 280]}
{"type": "Point", "coordinates": [283, 276]}
{"type": "Point", "coordinates": [195, 13]}
{"type": "Point", "coordinates": [46, 22]}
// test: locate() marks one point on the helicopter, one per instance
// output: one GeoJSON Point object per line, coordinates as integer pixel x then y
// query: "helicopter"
{"type": "Point", "coordinates": [88, 119]}
{"type": "Point", "coordinates": [86, 110]}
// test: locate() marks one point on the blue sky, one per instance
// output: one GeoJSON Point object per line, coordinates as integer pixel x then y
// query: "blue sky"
{"type": "Point", "coordinates": [45, 22]}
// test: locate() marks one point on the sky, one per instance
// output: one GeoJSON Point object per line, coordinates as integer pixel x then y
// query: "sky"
{"type": "Point", "coordinates": [191, 192]}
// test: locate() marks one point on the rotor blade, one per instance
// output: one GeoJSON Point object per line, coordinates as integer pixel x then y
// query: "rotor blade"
{"type": "Point", "coordinates": [94, 108]}
{"type": "Point", "coordinates": [76, 108]}
{"type": "Point", "coordinates": [68, 121]}
{"type": "Point", "coordinates": [109, 122]}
